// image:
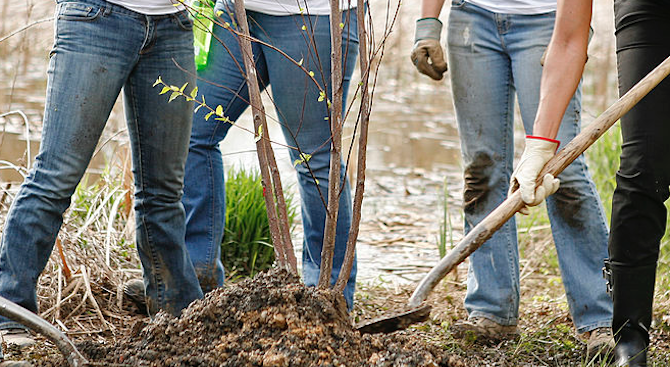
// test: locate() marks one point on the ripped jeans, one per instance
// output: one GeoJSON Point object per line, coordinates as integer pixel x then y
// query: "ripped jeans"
{"type": "Point", "coordinates": [495, 58]}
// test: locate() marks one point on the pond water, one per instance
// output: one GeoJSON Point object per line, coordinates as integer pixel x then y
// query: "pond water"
{"type": "Point", "coordinates": [413, 149]}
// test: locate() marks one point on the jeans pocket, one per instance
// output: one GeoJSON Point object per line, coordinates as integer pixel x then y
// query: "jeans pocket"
{"type": "Point", "coordinates": [78, 11]}
{"type": "Point", "coordinates": [457, 3]}
{"type": "Point", "coordinates": [183, 21]}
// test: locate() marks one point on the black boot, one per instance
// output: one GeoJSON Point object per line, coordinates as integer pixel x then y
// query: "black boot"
{"type": "Point", "coordinates": [633, 296]}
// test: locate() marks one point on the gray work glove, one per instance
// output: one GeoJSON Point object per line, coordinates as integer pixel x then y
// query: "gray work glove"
{"type": "Point", "coordinates": [427, 55]}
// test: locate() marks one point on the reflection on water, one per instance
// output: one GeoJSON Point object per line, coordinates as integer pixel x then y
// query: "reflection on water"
{"type": "Point", "coordinates": [412, 147]}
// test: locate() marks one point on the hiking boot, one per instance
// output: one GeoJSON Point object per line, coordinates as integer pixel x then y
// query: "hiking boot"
{"type": "Point", "coordinates": [599, 344]}
{"type": "Point", "coordinates": [482, 329]}
{"type": "Point", "coordinates": [17, 336]}
{"type": "Point", "coordinates": [15, 364]}
{"type": "Point", "coordinates": [134, 291]}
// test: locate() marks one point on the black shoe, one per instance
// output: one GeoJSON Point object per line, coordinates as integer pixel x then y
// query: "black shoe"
{"type": "Point", "coordinates": [632, 296]}
{"type": "Point", "coordinates": [134, 291]}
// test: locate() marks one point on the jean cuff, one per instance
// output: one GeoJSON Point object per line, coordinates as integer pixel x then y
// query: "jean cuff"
{"type": "Point", "coordinates": [509, 321]}
{"type": "Point", "coordinates": [600, 324]}
{"type": "Point", "coordinates": [12, 325]}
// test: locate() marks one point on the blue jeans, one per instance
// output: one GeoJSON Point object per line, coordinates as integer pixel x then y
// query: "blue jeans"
{"type": "Point", "coordinates": [99, 50]}
{"type": "Point", "coordinates": [301, 116]}
{"type": "Point", "coordinates": [491, 57]}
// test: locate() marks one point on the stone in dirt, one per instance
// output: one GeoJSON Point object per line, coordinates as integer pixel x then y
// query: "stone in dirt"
{"type": "Point", "coordinates": [272, 320]}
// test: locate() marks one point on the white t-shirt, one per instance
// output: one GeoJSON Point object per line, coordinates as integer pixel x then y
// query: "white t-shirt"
{"type": "Point", "coordinates": [290, 7]}
{"type": "Point", "coordinates": [150, 7]}
{"type": "Point", "coordinates": [525, 7]}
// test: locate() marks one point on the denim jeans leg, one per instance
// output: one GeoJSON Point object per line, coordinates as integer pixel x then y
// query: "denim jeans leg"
{"type": "Point", "coordinates": [484, 102]}
{"type": "Point", "coordinates": [78, 102]}
{"type": "Point", "coordinates": [223, 83]}
{"type": "Point", "coordinates": [306, 128]}
{"type": "Point", "coordinates": [575, 211]}
{"type": "Point", "coordinates": [159, 133]}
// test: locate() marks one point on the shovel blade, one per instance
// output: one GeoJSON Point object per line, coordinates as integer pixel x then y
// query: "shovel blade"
{"type": "Point", "coordinates": [394, 322]}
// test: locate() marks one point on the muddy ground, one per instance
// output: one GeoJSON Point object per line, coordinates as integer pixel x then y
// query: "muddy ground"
{"type": "Point", "coordinates": [273, 320]}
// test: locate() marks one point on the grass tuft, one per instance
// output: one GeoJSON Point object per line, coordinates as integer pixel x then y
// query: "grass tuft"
{"type": "Point", "coordinates": [247, 245]}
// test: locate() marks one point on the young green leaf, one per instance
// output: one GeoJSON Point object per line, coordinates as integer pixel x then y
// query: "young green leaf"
{"type": "Point", "coordinates": [259, 135]}
{"type": "Point", "coordinates": [304, 157]}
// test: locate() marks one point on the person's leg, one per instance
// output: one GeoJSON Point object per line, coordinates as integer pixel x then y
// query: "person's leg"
{"type": "Point", "coordinates": [483, 92]}
{"type": "Point", "coordinates": [159, 132]}
{"type": "Point", "coordinates": [638, 210]}
{"type": "Point", "coordinates": [222, 82]}
{"type": "Point", "coordinates": [87, 69]}
{"type": "Point", "coordinates": [305, 125]}
{"type": "Point", "coordinates": [575, 211]}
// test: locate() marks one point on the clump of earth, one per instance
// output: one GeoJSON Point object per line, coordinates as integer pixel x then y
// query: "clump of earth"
{"type": "Point", "coordinates": [272, 320]}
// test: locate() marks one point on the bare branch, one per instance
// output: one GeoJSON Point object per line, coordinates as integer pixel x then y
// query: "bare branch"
{"type": "Point", "coordinates": [336, 144]}
{"type": "Point", "coordinates": [25, 27]}
{"type": "Point", "coordinates": [270, 174]}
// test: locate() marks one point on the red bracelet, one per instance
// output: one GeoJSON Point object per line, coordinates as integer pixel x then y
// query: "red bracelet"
{"type": "Point", "coordinates": [543, 138]}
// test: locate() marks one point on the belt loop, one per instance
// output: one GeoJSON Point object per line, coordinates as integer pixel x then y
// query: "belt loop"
{"type": "Point", "coordinates": [107, 10]}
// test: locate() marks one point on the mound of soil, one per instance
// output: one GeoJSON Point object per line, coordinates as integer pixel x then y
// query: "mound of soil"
{"type": "Point", "coordinates": [272, 320]}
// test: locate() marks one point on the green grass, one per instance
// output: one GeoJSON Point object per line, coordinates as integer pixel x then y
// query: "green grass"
{"type": "Point", "coordinates": [247, 245]}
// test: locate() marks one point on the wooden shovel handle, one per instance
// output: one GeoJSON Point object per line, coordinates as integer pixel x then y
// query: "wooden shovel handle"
{"type": "Point", "coordinates": [489, 225]}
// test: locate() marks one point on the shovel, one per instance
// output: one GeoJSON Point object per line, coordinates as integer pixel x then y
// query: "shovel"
{"type": "Point", "coordinates": [417, 310]}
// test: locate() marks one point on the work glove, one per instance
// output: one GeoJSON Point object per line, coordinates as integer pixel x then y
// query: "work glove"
{"type": "Point", "coordinates": [427, 54]}
{"type": "Point", "coordinates": [537, 153]}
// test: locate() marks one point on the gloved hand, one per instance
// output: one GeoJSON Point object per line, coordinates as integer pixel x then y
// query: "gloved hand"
{"type": "Point", "coordinates": [537, 153]}
{"type": "Point", "coordinates": [427, 54]}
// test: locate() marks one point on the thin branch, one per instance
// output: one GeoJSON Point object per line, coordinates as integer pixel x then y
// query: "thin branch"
{"type": "Point", "coordinates": [336, 145]}
{"type": "Point", "coordinates": [277, 217]}
{"type": "Point", "coordinates": [348, 262]}
{"type": "Point", "coordinates": [25, 27]}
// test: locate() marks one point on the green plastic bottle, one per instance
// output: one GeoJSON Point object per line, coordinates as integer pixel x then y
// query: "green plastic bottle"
{"type": "Point", "coordinates": [203, 13]}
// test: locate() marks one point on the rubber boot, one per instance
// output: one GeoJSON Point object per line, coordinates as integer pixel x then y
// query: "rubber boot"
{"type": "Point", "coordinates": [632, 296]}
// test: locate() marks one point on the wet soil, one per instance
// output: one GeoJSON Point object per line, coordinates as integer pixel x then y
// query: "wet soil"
{"type": "Point", "coordinates": [271, 320]}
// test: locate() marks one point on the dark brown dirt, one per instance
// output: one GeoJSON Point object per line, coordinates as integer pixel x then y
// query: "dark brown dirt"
{"type": "Point", "coordinates": [271, 320]}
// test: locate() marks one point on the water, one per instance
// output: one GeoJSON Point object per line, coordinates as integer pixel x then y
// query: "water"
{"type": "Point", "coordinates": [413, 141]}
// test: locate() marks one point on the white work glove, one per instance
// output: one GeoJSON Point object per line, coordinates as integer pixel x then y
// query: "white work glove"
{"type": "Point", "coordinates": [427, 54]}
{"type": "Point", "coordinates": [537, 153]}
